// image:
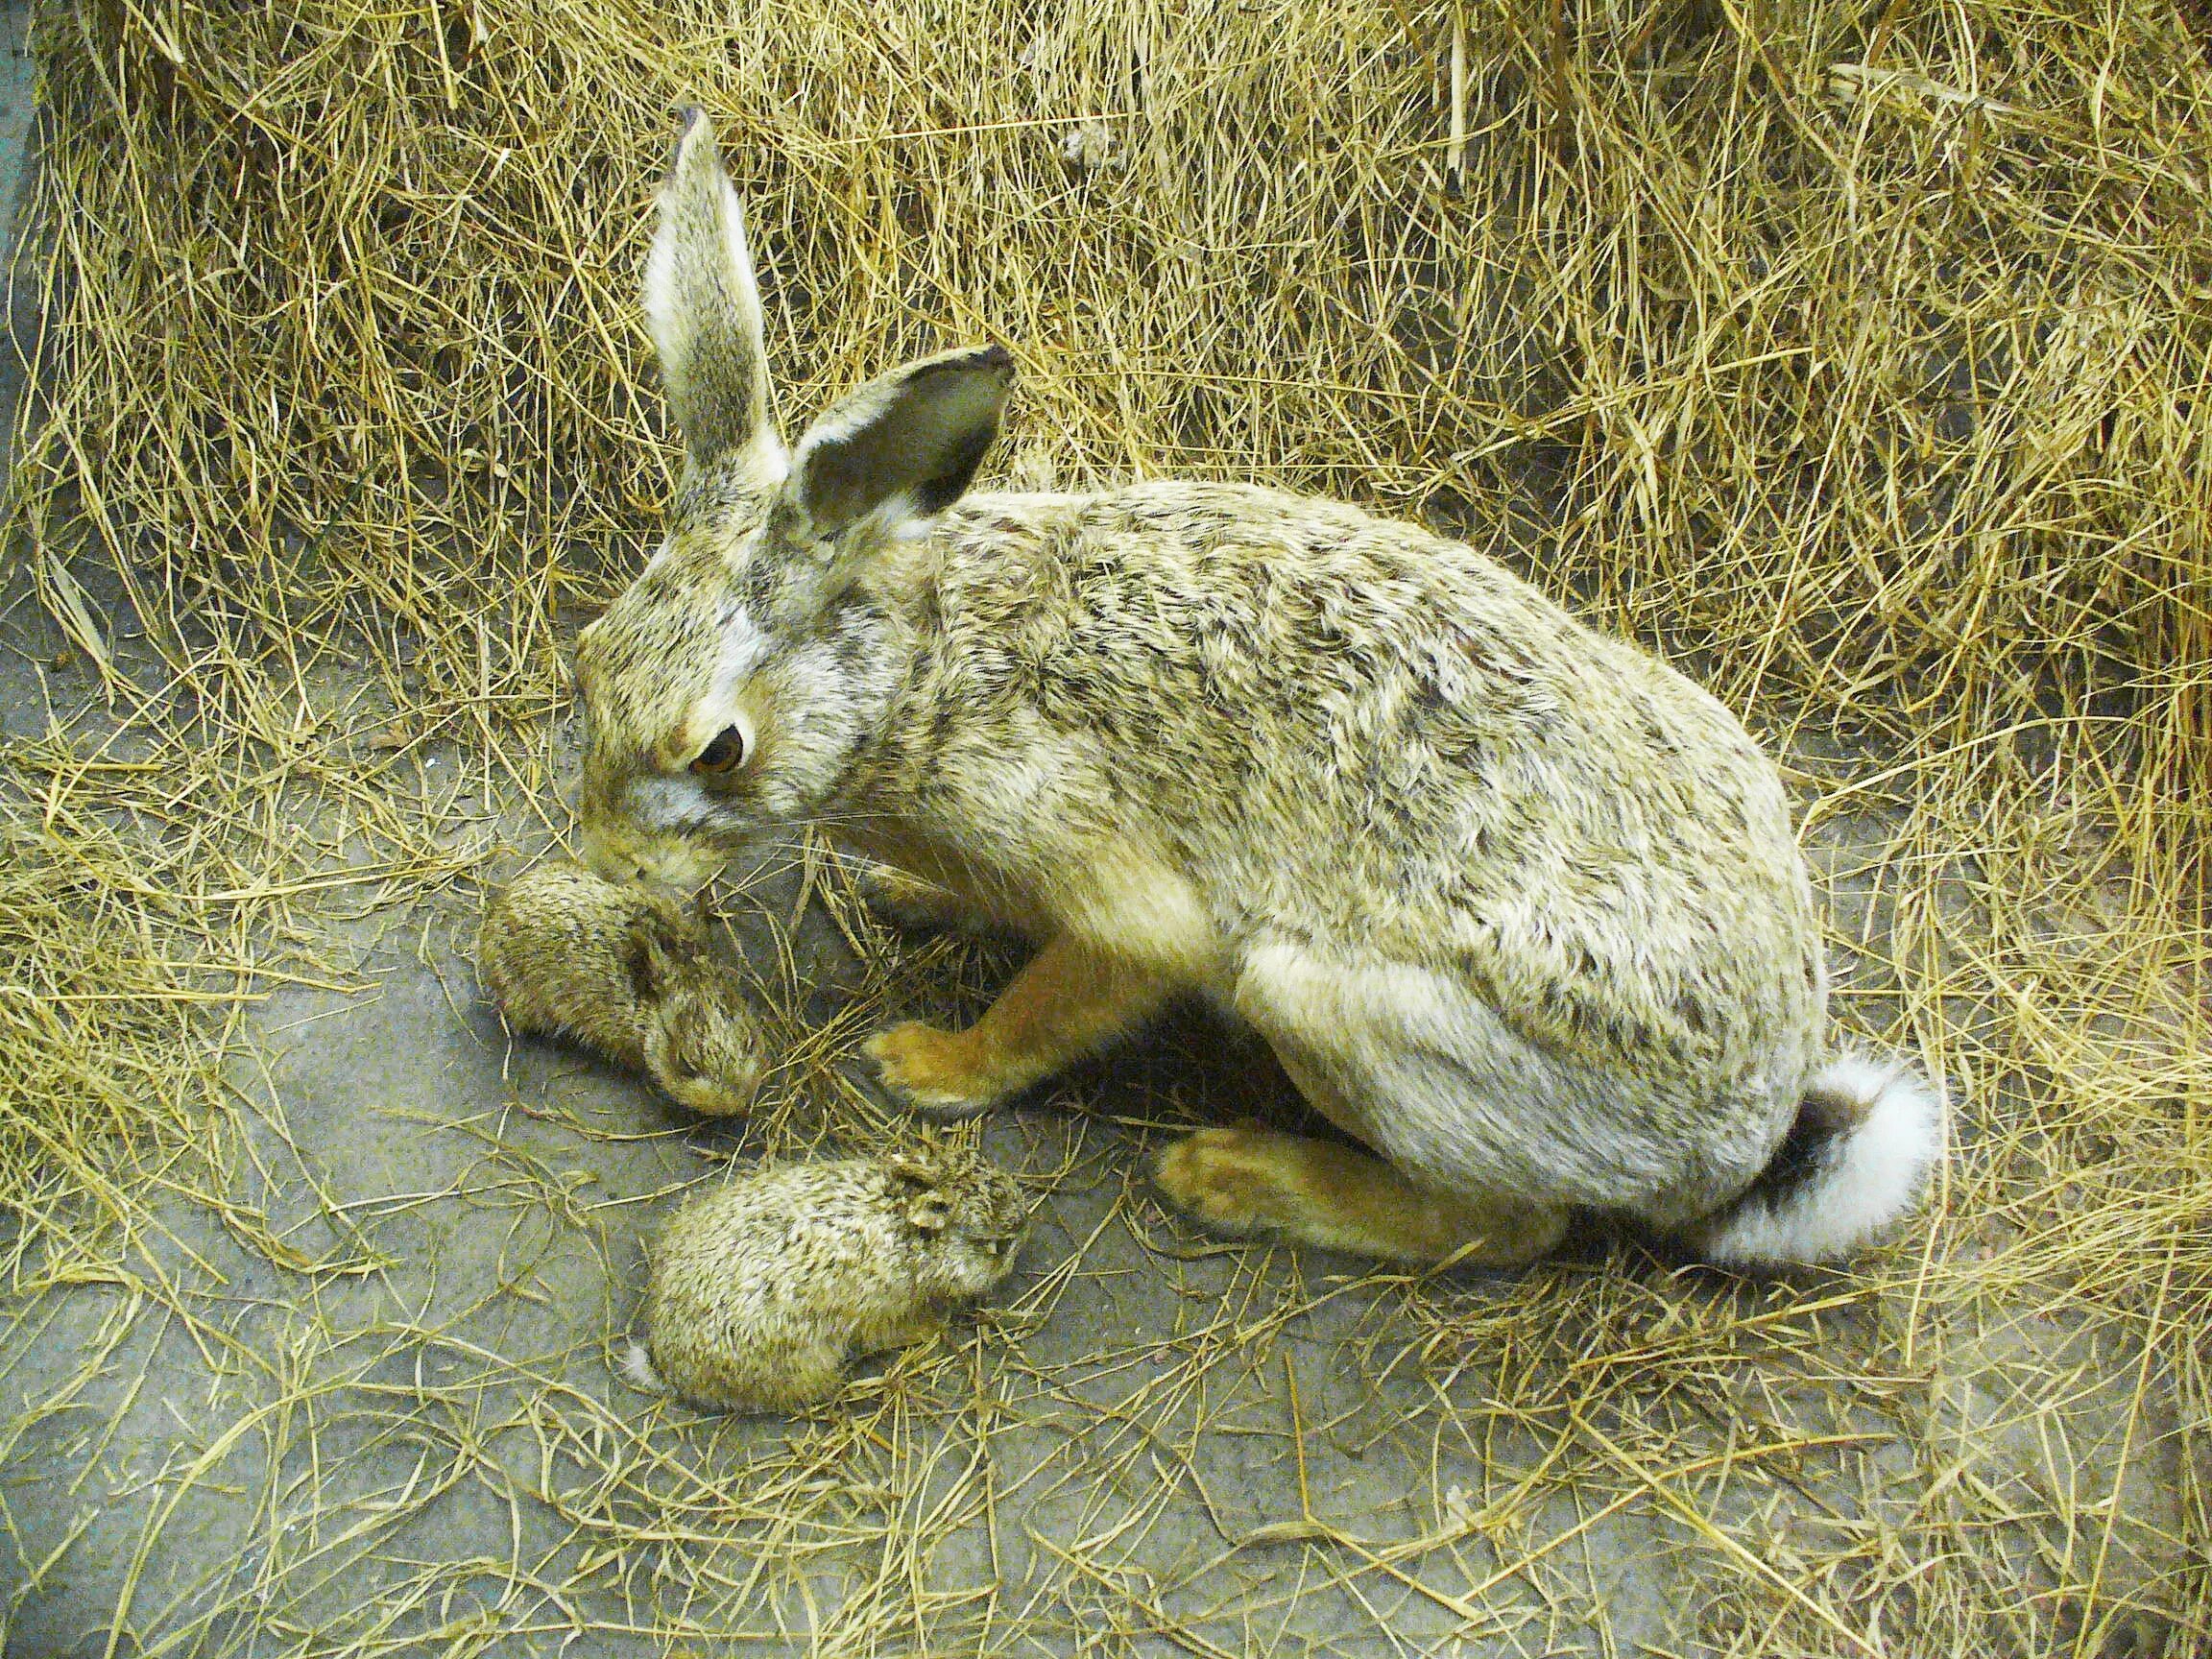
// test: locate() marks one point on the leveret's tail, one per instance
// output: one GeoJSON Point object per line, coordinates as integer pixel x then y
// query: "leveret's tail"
{"type": "Point", "coordinates": [1868, 1137]}
{"type": "Point", "coordinates": [638, 1367]}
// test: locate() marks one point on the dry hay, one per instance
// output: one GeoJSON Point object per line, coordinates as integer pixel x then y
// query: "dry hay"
{"type": "Point", "coordinates": [1857, 357]}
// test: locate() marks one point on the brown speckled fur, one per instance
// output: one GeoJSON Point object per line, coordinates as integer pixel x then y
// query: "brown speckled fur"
{"type": "Point", "coordinates": [1518, 907]}
{"type": "Point", "coordinates": [762, 1290]}
{"type": "Point", "coordinates": [627, 972]}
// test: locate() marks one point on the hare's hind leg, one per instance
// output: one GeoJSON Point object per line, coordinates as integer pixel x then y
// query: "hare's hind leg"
{"type": "Point", "coordinates": [908, 1328]}
{"type": "Point", "coordinates": [1069, 1001]}
{"type": "Point", "coordinates": [1246, 1179]}
{"type": "Point", "coordinates": [1353, 1038]}
{"type": "Point", "coordinates": [785, 1375]}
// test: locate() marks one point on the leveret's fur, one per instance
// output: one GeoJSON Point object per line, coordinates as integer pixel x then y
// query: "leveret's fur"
{"type": "Point", "coordinates": [764, 1289]}
{"type": "Point", "coordinates": [1518, 907]}
{"type": "Point", "coordinates": [630, 972]}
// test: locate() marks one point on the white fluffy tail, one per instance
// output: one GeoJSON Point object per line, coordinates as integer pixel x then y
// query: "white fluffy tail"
{"type": "Point", "coordinates": [638, 1368]}
{"type": "Point", "coordinates": [1867, 1138]}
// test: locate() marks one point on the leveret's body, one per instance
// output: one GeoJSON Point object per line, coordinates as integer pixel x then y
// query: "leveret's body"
{"type": "Point", "coordinates": [1518, 907]}
{"type": "Point", "coordinates": [626, 972]}
{"type": "Point", "coordinates": [762, 1290]}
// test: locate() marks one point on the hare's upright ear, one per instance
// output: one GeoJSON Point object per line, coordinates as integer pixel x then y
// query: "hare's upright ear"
{"type": "Point", "coordinates": [901, 448]}
{"type": "Point", "coordinates": [704, 309]}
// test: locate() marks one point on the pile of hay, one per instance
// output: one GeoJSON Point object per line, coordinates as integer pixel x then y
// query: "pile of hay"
{"type": "Point", "coordinates": [1858, 358]}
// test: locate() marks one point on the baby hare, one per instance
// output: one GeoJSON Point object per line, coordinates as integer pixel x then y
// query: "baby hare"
{"type": "Point", "coordinates": [1518, 907]}
{"type": "Point", "coordinates": [764, 1289]}
{"type": "Point", "coordinates": [627, 972]}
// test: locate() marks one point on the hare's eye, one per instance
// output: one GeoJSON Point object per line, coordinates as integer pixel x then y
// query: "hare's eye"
{"type": "Point", "coordinates": [726, 754]}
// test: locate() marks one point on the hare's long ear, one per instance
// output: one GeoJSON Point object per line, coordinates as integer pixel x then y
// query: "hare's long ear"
{"type": "Point", "coordinates": [901, 448]}
{"type": "Point", "coordinates": [704, 309]}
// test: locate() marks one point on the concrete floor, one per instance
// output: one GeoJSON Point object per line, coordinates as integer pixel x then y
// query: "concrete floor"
{"type": "Point", "coordinates": [361, 1401]}
{"type": "Point", "coordinates": [18, 92]}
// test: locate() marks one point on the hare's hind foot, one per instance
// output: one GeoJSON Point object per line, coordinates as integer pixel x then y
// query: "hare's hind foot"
{"type": "Point", "coordinates": [785, 1379]}
{"type": "Point", "coordinates": [1245, 1180]}
{"type": "Point", "coordinates": [908, 1329]}
{"type": "Point", "coordinates": [1069, 1001]}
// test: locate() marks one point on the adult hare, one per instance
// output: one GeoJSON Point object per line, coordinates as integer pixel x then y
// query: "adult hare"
{"type": "Point", "coordinates": [1518, 907]}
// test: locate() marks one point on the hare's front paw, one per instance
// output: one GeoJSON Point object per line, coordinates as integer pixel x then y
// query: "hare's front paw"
{"type": "Point", "coordinates": [936, 1070]}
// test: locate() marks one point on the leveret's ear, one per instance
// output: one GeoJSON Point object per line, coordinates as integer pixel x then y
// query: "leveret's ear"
{"type": "Point", "coordinates": [918, 1182]}
{"type": "Point", "coordinates": [703, 310]}
{"type": "Point", "coordinates": [901, 448]}
{"type": "Point", "coordinates": [914, 1171]}
{"type": "Point", "coordinates": [929, 1213]}
{"type": "Point", "coordinates": [645, 957]}
{"type": "Point", "coordinates": [642, 963]}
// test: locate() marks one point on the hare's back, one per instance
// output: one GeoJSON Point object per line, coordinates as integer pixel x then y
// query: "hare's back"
{"type": "Point", "coordinates": [1213, 634]}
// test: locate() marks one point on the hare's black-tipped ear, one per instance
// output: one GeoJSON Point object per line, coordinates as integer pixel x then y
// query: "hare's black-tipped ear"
{"type": "Point", "coordinates": [900, 448]}
{"type": "Point", "coordinates": [704, 309]}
